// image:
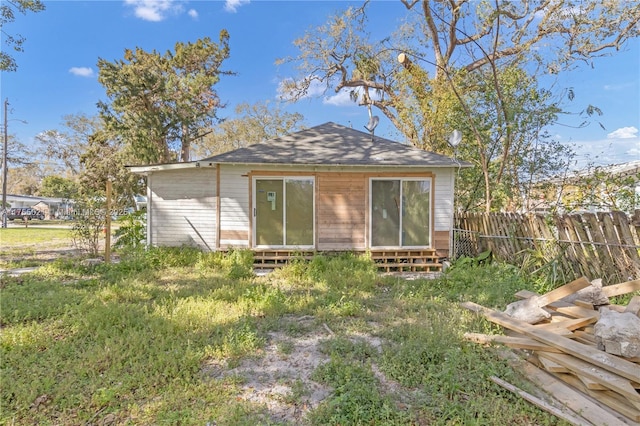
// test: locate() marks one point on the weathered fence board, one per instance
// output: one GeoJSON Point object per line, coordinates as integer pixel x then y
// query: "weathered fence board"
{"type": "Point", "coordinates": [602, 245]}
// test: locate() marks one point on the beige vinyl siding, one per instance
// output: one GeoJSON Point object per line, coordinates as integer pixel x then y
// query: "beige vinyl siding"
{"type": "Point", "coordinates": [443, 213]}
{"type": "Point", "coordinates": [234, 206]}
{"type": "Point", "coordinates": [183, 208]}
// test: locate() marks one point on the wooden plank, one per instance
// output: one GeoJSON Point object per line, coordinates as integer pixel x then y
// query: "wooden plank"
{"type": "Point", "coordinates": [584, 245]}
{"type": "Point", "coordinates": [601, 359]}
{"type": "Point", "coordinates": [607, 398]}
{"type": "Point", "coordinates": [564, 234]}
{"type": "Point", "coordinates": [552, 366]}
{"type": "Point", "coordinates": [573, 228]}
{"type": "Point", "coordinates": [630, 247]}
{"type": "Point", "coordinates": [575, 311]}
{"type": "Point", "coordinates": [583, 304]}
{"type": "Point", "coordinates": [585, 336]}
{"type": "Point", "coordinates": [525, 294]}
{"type": "Point", "coordinates": [613, 244]}
{"type": "Point", "coordinates": [572, 324]}
{"type": "Point", "coordinates": [634, 306]}
{"type": "Point", "coordinates": [609, 380]}
{"type": "Point", "coordinates": [592, 384]}
{"type": "Point", "coordinates": [563, 291]}
{"type": "Point", "coordinates": [571, 398]}
{"type": "Point", "coordinates": [606, 261]}
{"type": "Point", "coordinates": [510, 341]}
{"type": "Point", "coordinates": [566, 415]}
{"type": "Point", "coordinates": [622, 288]}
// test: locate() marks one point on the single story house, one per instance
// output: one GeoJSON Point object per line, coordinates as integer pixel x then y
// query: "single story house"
{"type": "Point", "coordinates": [327, 188]}
{"type": "Point", "coordinates": [51, 207]}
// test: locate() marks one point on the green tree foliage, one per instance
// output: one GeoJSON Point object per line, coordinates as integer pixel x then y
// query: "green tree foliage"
{"type": "Point", "coordinates": [87, 155]}
{"type": "Point", "coordinates": [598, 188]}
{"type": "Point", "coordinates": [58, 187]}
{"type": "Point", "coordinates": [8, 11]}
{"type": "Point", "coordinates": [104, 159]}
{"type": "Point", "coordinates": [23, 174]}
{"type": "Point", "coordinates": [67, 147]}
{"type": "Point", "coordinates": [504, 115]}
{"type": "Point", "coordinates": [459, 64]}
{"type": "Point", "coordinates": [17, 152]}
{"type": "Point", "coordinates": [159, 103]}
{"type": "Point", "coordinates": [253, 123]}
{"type": "Point", "coordinates": [24, 179]}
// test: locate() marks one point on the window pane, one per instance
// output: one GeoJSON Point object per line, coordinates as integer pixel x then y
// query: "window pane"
{"type": "Point", "coordinates": [416, 197]}
{"type": "Point", "coordinates": [385, 213]}
{"type": "Point", "coordinates": [299, 214]}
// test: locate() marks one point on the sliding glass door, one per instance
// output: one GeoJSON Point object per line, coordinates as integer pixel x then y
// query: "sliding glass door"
{"type": "Point", "coordinates": [400, 212]}
{"type": "Point", "coordinates": [283, 214]}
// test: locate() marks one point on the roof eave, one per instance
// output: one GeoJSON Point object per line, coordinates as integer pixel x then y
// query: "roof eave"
{"type": "Point", "coordinates": [143, 170]}
{"type": "Point", "coordinates": [462, 164]}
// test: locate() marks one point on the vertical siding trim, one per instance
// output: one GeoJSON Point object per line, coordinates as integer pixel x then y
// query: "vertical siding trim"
{"type": "Point", "coordinates": [367, 214]}
{"type": "Point", "coordinates": [149, 210]}
{"type": "Point", "coordinates": [432, 218]}
{"type": "Point", "coordinates": [250, 185]}
{"type": "Point", "coordinates": [316, 196]}
{"type": "Point", "coordinates": [453, 209]}
{"type": "Point", "coordinates": [218, 214]}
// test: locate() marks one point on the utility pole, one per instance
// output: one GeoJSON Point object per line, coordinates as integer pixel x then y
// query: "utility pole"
{"type": "Point", "coordinates": [4, 166]}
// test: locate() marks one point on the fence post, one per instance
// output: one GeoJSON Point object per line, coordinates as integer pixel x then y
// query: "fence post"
{"type": "Point", "coordinates": [107, 236]}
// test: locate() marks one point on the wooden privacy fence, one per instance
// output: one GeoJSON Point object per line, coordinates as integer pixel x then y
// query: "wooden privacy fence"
{"type": "Point", "coordinates": [595, 245]}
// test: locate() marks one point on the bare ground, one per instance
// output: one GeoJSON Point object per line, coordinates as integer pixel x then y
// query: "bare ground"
{"type": "Point", "coordinates": [279, 377]}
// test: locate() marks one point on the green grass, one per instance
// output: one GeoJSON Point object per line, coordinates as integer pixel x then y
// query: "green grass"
{"type": "Point", "coordinates": [11, 237]}
{"type": "Point", "coordinates": [129, 342]}
{"type": "Point", "coordinates": [25, 247]}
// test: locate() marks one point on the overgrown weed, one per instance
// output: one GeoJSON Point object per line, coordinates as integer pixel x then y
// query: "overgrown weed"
{"type": "Point", "coordinates": [131, 339]}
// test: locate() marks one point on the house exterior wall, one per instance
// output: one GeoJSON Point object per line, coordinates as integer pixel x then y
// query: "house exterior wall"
{"type": "Point", "coordinates": [182, 208]}
{"type": "Point", "coordinates": [235, 226]}
{"type": "Point", "coordinates": [341, 205]}
{"type": "Point", "coordinates": [341, 201]}
{"type": "Point", "coordinates": [443, 214]}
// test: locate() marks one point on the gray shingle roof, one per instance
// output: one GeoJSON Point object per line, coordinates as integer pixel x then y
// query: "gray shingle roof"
{"type": "Point", "coordinates": [333, 144]}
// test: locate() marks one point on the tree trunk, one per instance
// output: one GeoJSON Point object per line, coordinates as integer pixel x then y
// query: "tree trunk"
{"type": "Point", "coordinates": [185, 152]}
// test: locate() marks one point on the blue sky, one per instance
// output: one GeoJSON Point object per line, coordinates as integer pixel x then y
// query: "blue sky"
{"type": "Point", "coordinates": [57, 73]}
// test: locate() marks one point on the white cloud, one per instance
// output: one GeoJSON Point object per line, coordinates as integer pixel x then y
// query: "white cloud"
{"type": "Point", "coordinates": [624, 133]}
{"type": "Point", "coordinates": [233, 5]}
{"type": "Point", "coordinates": [607, 151]}
{"type": "Point", "coordinates": [193, 13]}
{"type": "Point", "coordinates": [562, 13]}
{"type": "Point", "coordinates": [154, 10]}
{"type": "Point", "coordinates": [619, 86]}
{"type": "Point", "coordinates": [342, 98]}
{"type": "Point", "coordinates": [315, 89]}
{"type": "Point", "coordinates": [81, 71]}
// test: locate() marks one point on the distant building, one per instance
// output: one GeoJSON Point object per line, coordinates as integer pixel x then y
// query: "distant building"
{"type": "Point", "coordinates": [601, 188]}
{"type": "Point", "coordinates": [53, 208]}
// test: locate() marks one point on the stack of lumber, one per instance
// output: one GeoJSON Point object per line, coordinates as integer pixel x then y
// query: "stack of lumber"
{"type": "Point", "coordinates": [585, 379]}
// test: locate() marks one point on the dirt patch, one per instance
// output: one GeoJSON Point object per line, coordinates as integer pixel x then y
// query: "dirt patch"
{"type": "Point", "coordinates": [279, 377]}
{"type": "Point", "coordinates": [33, 253]}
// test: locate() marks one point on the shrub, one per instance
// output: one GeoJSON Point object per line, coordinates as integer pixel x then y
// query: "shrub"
{"type": "Point", "coordinates": [132, 230]}
{"type": "Point", "coordinates": [89, 224]}
{"type": "Point", "coordinates": [234, 264]}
